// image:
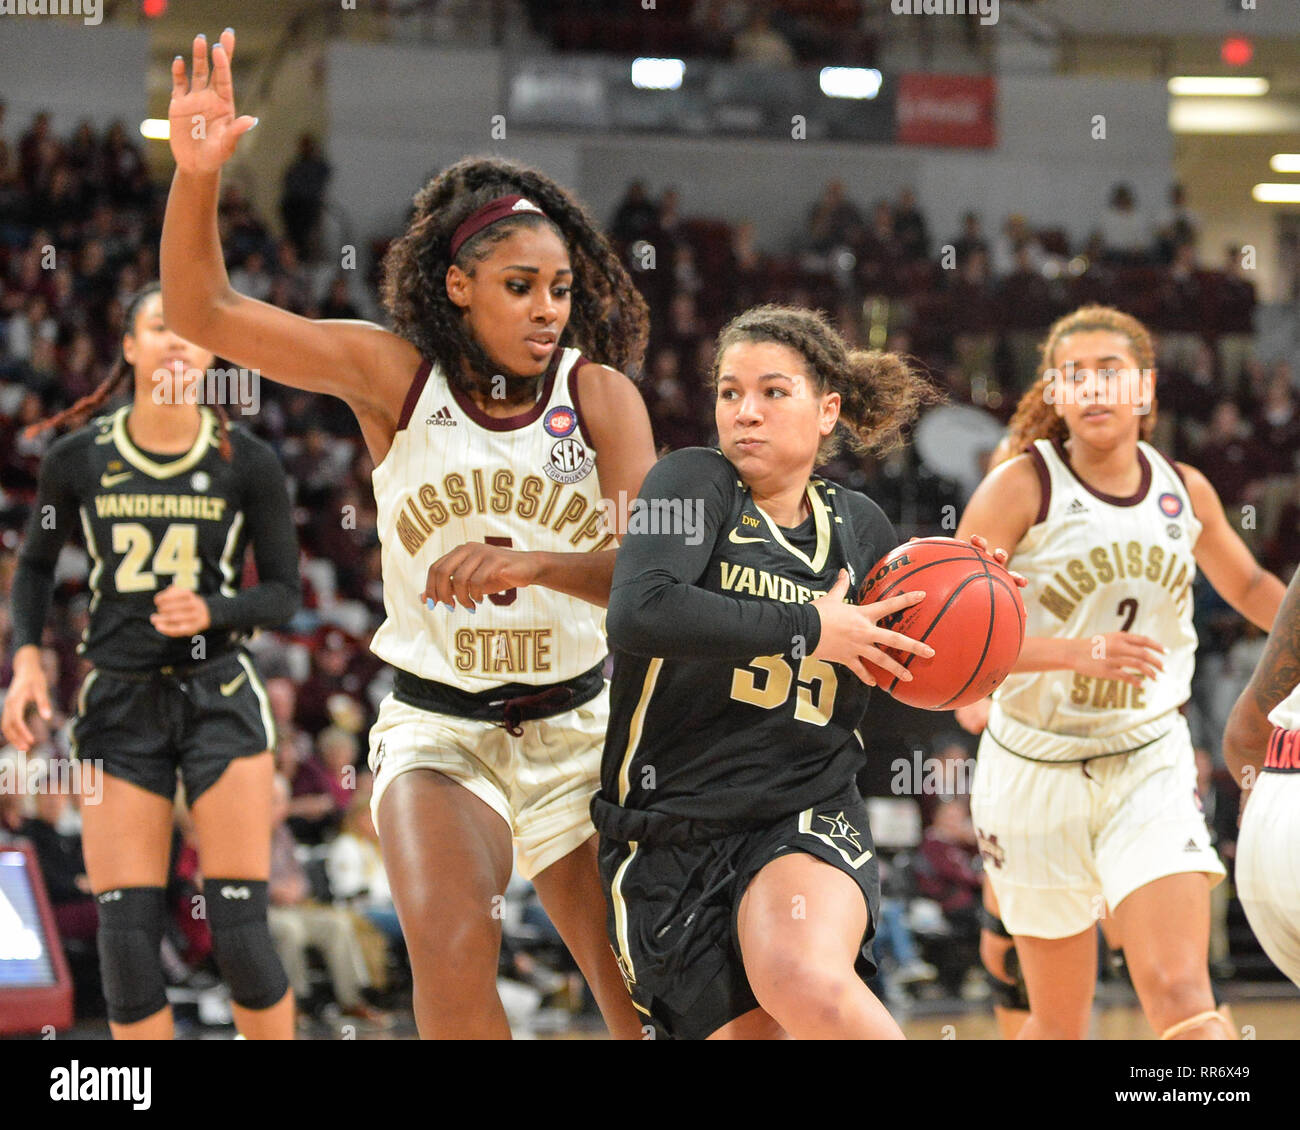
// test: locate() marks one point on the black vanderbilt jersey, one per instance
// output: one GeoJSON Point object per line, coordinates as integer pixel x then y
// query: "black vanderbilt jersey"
{"type": "Point", "coordinates": [718, 710]}
{"type": "Point", "coordinates": [149, 521]}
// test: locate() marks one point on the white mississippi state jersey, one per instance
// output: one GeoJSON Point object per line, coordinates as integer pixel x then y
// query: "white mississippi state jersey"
{"type": "Point", "coordinates": [1098, 564]}
{"type": "Point", "coordinates": [528, 482]}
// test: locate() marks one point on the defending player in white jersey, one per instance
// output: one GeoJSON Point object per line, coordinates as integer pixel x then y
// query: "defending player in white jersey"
{"type": "Point", "coordinates": [1261, 745]}
{"type": "Point", "coordinates": [1084, 796]}
{"type": "Point", "coordinates": [485, 431]}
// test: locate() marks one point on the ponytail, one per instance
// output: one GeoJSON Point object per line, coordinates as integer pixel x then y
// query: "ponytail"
{"type": "Point", "coordinates": [880, 393]}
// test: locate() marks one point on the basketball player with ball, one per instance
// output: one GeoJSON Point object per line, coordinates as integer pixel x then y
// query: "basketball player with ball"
{"type": "Point", "coordinates": [741, 877]}
{"type": "Point", "coordinates": [1084, 798]}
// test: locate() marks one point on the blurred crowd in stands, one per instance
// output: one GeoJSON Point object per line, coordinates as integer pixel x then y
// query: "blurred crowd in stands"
{"type": "Point", "coordinates": [80, 222]}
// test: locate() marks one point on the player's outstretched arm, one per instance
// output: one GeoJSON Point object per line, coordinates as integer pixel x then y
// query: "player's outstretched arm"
{"type": "Point", "coordinates": [1245, 738]}
{"type": "Point", "coordinates": [1225, 559]}
{"type": "Point", "coordinates": [357, 361]}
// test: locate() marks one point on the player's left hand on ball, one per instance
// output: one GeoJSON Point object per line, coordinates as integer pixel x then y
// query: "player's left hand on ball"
{"type": "Point", "coordinates": [999, 555]}
{"type": "Point", "coordinates": [180, 612]}
{"type": "Point", "coordinates": [471, 571]}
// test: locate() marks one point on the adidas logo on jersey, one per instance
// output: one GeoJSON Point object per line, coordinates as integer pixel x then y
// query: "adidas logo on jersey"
{"type": "Point", "coordinates": [442, 418]}
{"type": "Point", "coordinates": [1192, 845]}
{"type": "Point", "coordinates": [1076, 507]}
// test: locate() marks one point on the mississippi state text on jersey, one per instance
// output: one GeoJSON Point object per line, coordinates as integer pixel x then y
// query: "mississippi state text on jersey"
{"type": "Point", "coordinates": [1098, 564]}
{"type": "Point", "coordinates": [454, 475]}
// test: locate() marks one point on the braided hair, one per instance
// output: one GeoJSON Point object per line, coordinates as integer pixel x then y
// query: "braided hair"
{"type": "Point", "coordinates": [78, 413]}
{"type": "Point", "coordinates": [1035, 416]}
{"type": "Point", "coordinates": [880, 393]}
{"type": "Point", "coordinates": [608, 319]}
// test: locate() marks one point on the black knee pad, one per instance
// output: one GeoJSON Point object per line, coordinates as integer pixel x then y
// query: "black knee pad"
{"type": "Point", "coordinates": [241, 941]}
{"type": "Point", "coordinates": [1014, 995]}
{"type": "Point", "coordinates": [131, 921]}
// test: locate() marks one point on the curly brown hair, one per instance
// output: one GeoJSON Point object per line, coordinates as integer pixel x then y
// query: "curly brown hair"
{"type": "Point", "coordinates": [880, 393]}
{"type": "Point", "coordinates": [608, 320]}
{"type": "Point", "coordinates": [116, 381]}
{"type": "Point", "coordinates": [1035, 416]}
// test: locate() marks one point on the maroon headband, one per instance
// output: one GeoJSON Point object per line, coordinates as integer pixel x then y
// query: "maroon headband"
{"type": "Point", "coordinates": [499, 209]}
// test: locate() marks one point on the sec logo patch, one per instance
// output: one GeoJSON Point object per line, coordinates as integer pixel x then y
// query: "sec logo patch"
{"type": "Point", "coordinates": [560, 421]}
{"type": "Point", "coordinates": [569, 461]}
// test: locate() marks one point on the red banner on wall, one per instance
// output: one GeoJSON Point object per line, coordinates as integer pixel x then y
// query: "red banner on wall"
{"type": "Point", "coordinates": [954, 110]}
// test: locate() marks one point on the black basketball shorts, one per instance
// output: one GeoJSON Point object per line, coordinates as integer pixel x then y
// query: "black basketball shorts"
{"type": "Point", "coordinates": [145, 726]}
{"type": "Point", "coordinates": [673, 895]}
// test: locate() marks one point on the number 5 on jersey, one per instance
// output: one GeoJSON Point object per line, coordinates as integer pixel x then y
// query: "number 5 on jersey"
{"type": "Point", "coordinates": [817, 683]}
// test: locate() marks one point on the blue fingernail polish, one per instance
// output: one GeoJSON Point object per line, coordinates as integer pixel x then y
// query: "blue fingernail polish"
{"type": "Point", "coordinates": [429, 604]}
{"type": "Point", "coordinates": [472, 611]}
{"type": "Point", "coordinates": [203, 37]}
{"type": "Point", "coordinates": [228, 29]}
{"type": "Point", "coordinates": [450, 607]}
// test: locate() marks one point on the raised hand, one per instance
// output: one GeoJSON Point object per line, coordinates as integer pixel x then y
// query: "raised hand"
{"type": "Point", "coordinates": [204, 128]}
{"type": "Point", "coordinates": [850, 634]}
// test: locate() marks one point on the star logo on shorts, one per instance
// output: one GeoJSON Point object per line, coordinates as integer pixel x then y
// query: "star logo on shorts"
{"type": "Point", "coordinates": [842, 829]}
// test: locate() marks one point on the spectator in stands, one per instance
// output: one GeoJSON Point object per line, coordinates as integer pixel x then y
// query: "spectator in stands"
{"type": "Point", "coordinates": [1026, 308]}
{"type": "Point", "coordinates": [338, 302]}
{"type": "Point", "coordinates": [636, 216]}
{"type": "Point", "coordinates": [1126, 238]}
{"type": "Point", "coordinates": [910, 230]}
{"type": "Point", "coordinates": [879, 253]}
{"type": "Point", "coordinates": [760, 44]}
{"type": "Point", "coordinates": [1277, 426]}
{"type": "Point", "coordinates": [1177, 228]}
{"type": "Point", "coordinates": [834, 220]}
{"type": "Point", "coordinates": [303, 197]}
{"type": "Point", "coordinates": [950, 873]}
{"type": "Point", "coordinates": [58, 849]}
{"type": "Point", "coordinates": [746, 266]}
{"type": "Point", "coordinates": [337, 750]}
{"type": "Point", "coordinates": [1234, 305]}
{"type": "Point", "coordinates": [971, 239]}
{"type": "Point", "coordinates": [252, 277]}
{"type": "Point", "coordinates": [1015, 237]}
{"type": "Point", "coordinates": [356, 870]}
{"type": "Point", "coordinates": [313, 811]}
{"type": "Point", "coordinates": [974, 323]}
{"type": "Point", "coordinates": [1225, 455]}
{"type": "Point", "coordinates": [297, 922]}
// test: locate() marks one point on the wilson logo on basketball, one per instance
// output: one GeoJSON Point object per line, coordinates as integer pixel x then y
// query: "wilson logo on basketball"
{"type": "Point", "coordinates": [880, 574]}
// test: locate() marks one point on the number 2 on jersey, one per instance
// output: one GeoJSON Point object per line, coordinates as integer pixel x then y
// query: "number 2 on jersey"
{"type": "Point", "coordinates": [776, 686]}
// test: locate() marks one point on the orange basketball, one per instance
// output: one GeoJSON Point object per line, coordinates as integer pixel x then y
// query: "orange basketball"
{"type": "Point", "coordinates": [972, 616]}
